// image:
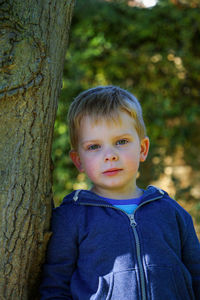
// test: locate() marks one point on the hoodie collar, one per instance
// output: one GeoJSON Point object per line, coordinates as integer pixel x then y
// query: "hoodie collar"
{"type": "Point", "coordinates": [88, 197]}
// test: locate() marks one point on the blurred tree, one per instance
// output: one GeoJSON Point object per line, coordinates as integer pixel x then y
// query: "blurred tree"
{"type": "Point", "coordinates": [186, 3]}
{"type": "Point", "coordinates": [155, 54]}
{"type": "Point", "coordinates": [33, 40]}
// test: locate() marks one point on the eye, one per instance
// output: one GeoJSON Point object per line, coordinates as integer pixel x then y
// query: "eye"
{"type": "Point", "coordinates": [93, 147]}
{"type": "Point", "coordinates": [122, 142]}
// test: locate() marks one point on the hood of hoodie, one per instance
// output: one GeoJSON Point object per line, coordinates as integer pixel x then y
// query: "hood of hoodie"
{"type": "Point", "coordinates": [90, 198]}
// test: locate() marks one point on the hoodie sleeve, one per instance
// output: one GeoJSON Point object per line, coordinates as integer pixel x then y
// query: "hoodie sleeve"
{"type": "Point", "coordinates": [61, 256]}
{"type": "Point", "coordinates": [191, 257]}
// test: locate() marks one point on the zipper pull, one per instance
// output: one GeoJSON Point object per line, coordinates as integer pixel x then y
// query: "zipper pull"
{"type": "Point", "coordinates": [132, 220]}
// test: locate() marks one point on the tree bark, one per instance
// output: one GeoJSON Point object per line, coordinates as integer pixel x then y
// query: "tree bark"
{"type": "Point", "coordinates": [33, 42]}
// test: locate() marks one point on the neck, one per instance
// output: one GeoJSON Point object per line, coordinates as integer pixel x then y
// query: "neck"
{"type": "Point", "coordinates": [136, 193]}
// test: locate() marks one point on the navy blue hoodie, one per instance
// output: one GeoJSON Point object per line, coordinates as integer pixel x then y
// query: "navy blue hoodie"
{"type": "Point", "coordinates": [98, 252]}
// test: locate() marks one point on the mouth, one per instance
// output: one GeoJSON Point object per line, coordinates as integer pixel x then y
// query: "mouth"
{"type": "Point", "coordinates": [111, 172]}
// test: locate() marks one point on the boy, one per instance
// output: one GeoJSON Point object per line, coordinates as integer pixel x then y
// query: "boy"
{"type": "Point", "coordinates": [117, 241]}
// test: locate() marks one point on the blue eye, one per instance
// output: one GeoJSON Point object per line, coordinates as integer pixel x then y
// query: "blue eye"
{"type": "Point", "coordinates": [93, 147]}
{"type": "Point", "coordinates": [122, 142]}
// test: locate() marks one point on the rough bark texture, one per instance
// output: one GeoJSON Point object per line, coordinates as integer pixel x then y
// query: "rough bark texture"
{"type": "Point", "coordinates": [33, 41]}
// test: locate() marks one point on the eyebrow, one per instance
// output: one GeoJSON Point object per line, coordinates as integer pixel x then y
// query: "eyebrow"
{"type": "Point", "coordinates": [95, 141]}
{"type": "Point", "coordinates": [90, 142]}
{"type": "Point", "coordinates": [124, 135]}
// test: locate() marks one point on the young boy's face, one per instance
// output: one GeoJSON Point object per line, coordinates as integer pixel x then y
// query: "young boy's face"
{"type": "Point", "coordinates": [109, 152]}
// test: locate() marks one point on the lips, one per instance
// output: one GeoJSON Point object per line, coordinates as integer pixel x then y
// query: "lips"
{"type": "Point", "coordinates": [112, 171]}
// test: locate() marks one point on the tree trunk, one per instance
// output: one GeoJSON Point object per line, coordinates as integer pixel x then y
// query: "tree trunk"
{"type": "Point", "coordinates": [33, 41]}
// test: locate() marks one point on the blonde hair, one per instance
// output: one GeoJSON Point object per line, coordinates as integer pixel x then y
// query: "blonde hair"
{"type": "Point", "coordinates": [103, 102]}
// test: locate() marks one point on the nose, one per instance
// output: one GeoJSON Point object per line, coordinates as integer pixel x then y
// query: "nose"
{"type": "Point", "coordinates": [110, 157]}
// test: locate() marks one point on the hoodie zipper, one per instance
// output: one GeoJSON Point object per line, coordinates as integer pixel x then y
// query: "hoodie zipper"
{"type": "Point", "coordinates": [133, 225]}
{"type": "Point", "coordinates": [138, 247]}
{"type": "Point", "coordinates": [139, 256]}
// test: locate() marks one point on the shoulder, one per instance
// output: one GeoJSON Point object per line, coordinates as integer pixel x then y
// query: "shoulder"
{"type": "Point", "coordinates": [67, 201]}
{"type": "Point", "coordinates": [169, 206]}
{"type": "Point", "coordinates": [173, 208]}
{"type": "Point", "coordinates": [66, 217]}
{"type": "Point", "coordinates": [66, 211]}
{"type": "Point", "coordinates": [170, 213]}
{"type": "Point", "coordinates": [174, 204]}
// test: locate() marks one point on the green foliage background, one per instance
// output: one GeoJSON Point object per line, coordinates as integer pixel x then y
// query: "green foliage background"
{"type": "Point", "coordinates": [155, 54]}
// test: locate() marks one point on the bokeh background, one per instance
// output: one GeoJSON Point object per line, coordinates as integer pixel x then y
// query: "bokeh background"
{"type": "Point", "coordinates": [154, 52]}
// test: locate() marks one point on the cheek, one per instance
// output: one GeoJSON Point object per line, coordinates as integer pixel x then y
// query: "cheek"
{"type": "Point", "coordinates": [132, 159]}
{"type": "Point", "coordinates": [91, 172]}
{"type": "Point", "coordinates": [90, 165]}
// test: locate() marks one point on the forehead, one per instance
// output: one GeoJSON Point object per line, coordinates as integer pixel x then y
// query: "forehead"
{"type": "Point", "coordinates": [118, 120]}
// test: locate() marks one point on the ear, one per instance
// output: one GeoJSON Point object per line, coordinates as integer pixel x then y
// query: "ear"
{"type": "Point", "coordinates": [144, 148]}
{"type": "Point", "coordinates": [76, 160]}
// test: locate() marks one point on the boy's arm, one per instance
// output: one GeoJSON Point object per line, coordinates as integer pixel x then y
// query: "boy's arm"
{"type": "Point", "coordinates": [61, 257]}
{"type": "Point", "coordinates": [191, 257]}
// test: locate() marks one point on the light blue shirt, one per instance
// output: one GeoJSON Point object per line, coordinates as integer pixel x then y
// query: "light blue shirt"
{"type": "Point", "coordinates": [128, 205]}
